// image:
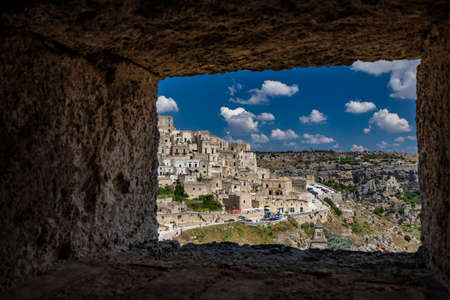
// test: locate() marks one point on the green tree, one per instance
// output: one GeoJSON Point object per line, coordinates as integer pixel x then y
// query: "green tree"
{"type": "Point", "coordinates": [179, 194]}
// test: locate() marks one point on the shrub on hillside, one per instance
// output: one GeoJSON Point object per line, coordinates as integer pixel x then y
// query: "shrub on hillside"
{"type": "Point", "coordinates": [356, 227]}
{"type": "Point", "coordinates": [308, 228]}
{"type": "Point", "coordinates": [338, 243]}
{"type": "Point", "coordinates": [379, 210]}
{"type": "Point", "coordinates": [336, 209]}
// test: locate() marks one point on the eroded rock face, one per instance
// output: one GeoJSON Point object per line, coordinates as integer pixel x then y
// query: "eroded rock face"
{"type": "Point", "coordinates": [433, 136]}
{"type": "Point", "coordinates": [78, 167]}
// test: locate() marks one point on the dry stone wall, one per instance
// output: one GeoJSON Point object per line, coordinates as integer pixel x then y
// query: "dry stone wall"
{"type": "Point", "coordinates": [78, 148]}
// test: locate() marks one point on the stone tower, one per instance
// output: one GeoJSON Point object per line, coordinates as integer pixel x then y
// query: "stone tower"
{"type": "Point", "coordinates": [318, 240]}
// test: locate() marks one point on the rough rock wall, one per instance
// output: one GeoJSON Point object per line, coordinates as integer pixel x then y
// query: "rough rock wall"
{"type": "Point", "coordinates": [78, 160]}
{"type": "Point", "coordinates": [433, 134]}
{"type": "Point", "coordinates": [179, 38]}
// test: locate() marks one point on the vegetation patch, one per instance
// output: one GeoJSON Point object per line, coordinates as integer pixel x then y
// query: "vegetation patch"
{"type": "Point", "coordinates": [356, 227]}
{"type": "Point", "coordinates": [338, 243]}
{"type": "Point", "coordinates": [308, 228]}
{"type": "Point", "coordinates": [411, 197]}
{"type": "Point", "coordinates": [239, 233]}
{"type": "Point", "coordinates": [411, 227]}
{"type": "Point", "coordinates": [204, 203]}
{"type": "Point", "coordinates": [179, 193]}
{"type": "Point", "coordinates": [333, 206]}
{"type": "Point", "coordinates": [164, 192]}
{"type": "Point", "coordinates": [338, 186]}
{"type": "Point", "coordinates": [379, 210]}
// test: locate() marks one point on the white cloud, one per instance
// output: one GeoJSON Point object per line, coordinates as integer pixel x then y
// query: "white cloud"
{"type": "Point", "coordinates": [164, 104]}
{"type": "Point", "coordinates": [356, 148]}
{"type": "Point", "coordinates": [390, 122]}
{"type": "Point", "coordinates": [358, 107]}
{"type": "Point", "coordinates": [400, 139]}
{"type": "Point", "coordinates": [279, 134]}
{"type": "Point", "coordinates": [316, 139]}
{"type": "Point", "coordinates": [259, 138]}
{"type": "Point", "coordinates": [366, 130]}
{"type": "Point", "coordinates": [411, 137]}
{"type": "Point", "coordinates": [269, 89]}
{"type": "Point", "coordinates": [234, 88]}
{"type": "Point", "coordinates": [395, 144]}
{"type": "Point", "coordinates": [265, 117]}
{"type": "Point", "coordinates": [314, 117]}
{"type": "Point", "coordinates": [337, 146]}
{"type": "Point", "coordinates": [290, 144]}
{"type": "Point", "coordinates": [403, 75]}
{"type": "Point", "coordinates": [383, 145]}
{"type": "Point", "coordinates": [240, 121]}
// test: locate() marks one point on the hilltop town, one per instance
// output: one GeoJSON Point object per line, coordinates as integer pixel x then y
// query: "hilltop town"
{"type": "Point", "coordinates": [199, 172]}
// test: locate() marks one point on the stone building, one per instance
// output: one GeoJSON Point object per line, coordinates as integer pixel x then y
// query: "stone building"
{"type": "Point", "coordinates": [206, 164]}
{"type": "Point", "coordinates": [237, 203]}
{"type": "Point", "coordinates": [165, 124]}
{"type": "Point", "coordinates": [276, 187]}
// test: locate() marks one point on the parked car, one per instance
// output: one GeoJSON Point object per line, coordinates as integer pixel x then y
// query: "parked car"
{"type": "Point", "coordinates": [230, 220]}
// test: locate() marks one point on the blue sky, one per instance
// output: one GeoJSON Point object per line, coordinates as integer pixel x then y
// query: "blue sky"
{"type": "Point", "coordinates": [363, 106]}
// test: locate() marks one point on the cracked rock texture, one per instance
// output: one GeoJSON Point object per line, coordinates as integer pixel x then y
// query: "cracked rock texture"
{"type": "Point", "coordinates": [78, 168]}
{"type": "Point", "coordinates": [78, 90]}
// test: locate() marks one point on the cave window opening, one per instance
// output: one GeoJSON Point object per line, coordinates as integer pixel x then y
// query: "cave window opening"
{"type": "Point", "coordinates": [359, 149]}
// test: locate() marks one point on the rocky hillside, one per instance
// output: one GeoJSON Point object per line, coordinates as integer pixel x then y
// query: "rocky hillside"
{"type": "Point", "coordinates": [349, 168]}
{"type": "Point", "coordinates": [380, 190]}
{"type": "Point", "coordinates": [364, 230]}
